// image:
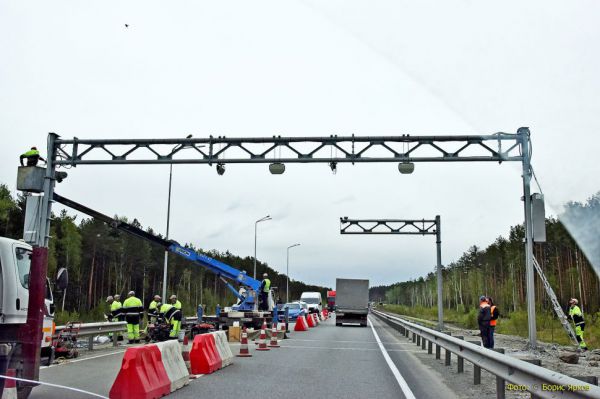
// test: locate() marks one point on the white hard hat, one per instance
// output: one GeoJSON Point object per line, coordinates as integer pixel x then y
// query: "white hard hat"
{"type": "Point", "coordinates": [131, 293]}
{"type": "Point", "coordinates": [109, 298]}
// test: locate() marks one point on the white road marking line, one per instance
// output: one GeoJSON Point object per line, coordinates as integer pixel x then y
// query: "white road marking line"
{"type": "Point", "coordinates": [326, 348]}
{"type": "Point", "coordinates": [82, 359]}
{"type": "Point", "coordinates": [401, 381]}
{"type": "Point", "coordinates": [355, 349]}
{"type": "Point", "coordinates": [357, 342]}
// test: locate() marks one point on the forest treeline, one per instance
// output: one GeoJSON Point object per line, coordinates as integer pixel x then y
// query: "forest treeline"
{"type": "Point", "coordinates": [102, 261]}
{"type": "Point", "coordinates": [499, 270]}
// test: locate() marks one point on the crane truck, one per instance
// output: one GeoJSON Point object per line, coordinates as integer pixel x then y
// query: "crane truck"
{"type": "Point", "coordinates": [16, 332]}
{"type": "Point", "coordinates": [245, 311]}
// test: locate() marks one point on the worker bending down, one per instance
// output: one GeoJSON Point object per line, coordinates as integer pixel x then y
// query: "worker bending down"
{"type": "Point", "coordinates": [576, 315]}
{"type": "Point", "coordinates": [133, 309]}
{"type": "Point", "coordinates": [173, 316]}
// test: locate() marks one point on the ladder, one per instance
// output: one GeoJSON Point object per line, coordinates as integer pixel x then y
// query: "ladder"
{"type": "Point", "coordinates": [555, 304]}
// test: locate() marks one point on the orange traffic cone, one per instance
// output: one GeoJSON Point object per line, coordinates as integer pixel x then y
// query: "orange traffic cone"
{"type": "Point", "coordinates": [316, 317]}
{"type": "Point", "coordinates": [283, 329]}
{"type": "Point", "coordinates": [244, 352]}
{"type": "Point", "coordinates": [310, 321]}
{"type": "Point", "coordinates": [262, 339]}
{"type": "Point", "coordinates": [300, 324]}
{"type": "Point", "coordinates": [274, 343]}
{"type": "Point", "coordinates": [10, 386]}
{"type": "Point", "coordinates": [185, 353]}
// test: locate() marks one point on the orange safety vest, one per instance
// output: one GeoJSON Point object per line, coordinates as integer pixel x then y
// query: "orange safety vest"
{"type": "Point", "coordinates": [493, 322]}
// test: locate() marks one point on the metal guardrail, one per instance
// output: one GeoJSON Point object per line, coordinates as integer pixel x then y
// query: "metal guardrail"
{"type": "Point", "coordinates": [92, 329]}
{"type": "Point", "coordinates": [522, 376]}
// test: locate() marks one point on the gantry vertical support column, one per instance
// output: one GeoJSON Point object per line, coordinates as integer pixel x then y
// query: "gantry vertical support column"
{"type": "Point", "coordinates": [527, 174]}
{"type": "Point", "coordinates": [440, 301]}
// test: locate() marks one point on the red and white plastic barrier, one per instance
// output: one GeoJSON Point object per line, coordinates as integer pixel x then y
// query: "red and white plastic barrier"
{"type": "Point", "coordinates": [223, 348]}
{"type": "Point", "coordinates": [210, 352]}
{"type": "Point", "coordinates": [142, 375]}
{"type": "Point", "coordinates": [172, 359]}
{"type": "Point", "coordinates": [10, 386]}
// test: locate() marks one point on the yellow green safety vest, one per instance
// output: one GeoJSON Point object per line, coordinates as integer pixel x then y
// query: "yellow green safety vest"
{"type": "Point", "coordinates": [267, 285]}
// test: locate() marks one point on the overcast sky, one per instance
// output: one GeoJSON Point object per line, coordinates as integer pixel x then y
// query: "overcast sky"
{"type": "Point", "coordinates": [309, 68]}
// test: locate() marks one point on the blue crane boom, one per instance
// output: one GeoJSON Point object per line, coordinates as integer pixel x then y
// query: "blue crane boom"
{"type": "Point", "coordinates": [247, 301]}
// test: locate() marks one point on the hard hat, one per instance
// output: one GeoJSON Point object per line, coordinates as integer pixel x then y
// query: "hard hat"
{"type": "Point", "coordinates": [157, 297]}
{"type": "Point", "coordinates": [109, 298]}
{"type": "Point", "coordinates": [131, 293]}
{"type": "Point", "coordinates": [265, 275]}
{"type": "Point", "coordinates": [173, 297]}
{"type": "Point", "coordinates": [117, 296]}
{"type": "Point", "coordinates": [573, 300]}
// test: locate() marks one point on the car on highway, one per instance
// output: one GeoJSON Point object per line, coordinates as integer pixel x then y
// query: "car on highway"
{"type": "Point", "coordinates": [295, 309]}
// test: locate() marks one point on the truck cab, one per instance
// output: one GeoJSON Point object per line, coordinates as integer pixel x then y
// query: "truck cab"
{"type": "Point", "coordinates": [15, 261]}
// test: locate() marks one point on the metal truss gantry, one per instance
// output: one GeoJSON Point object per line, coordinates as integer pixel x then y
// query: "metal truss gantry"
{"type": "Point", "coordinates": [498, 147]}
{"type": "Point", "coordinates": [403, 227]}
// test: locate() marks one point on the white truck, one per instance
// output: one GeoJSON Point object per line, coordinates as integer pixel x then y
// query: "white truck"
{"type": "Point", "coordinates": [15, 263]}
{"type": "Point", "coordinates": [313, 300]}
{"type": "Point", "coordinates": [351, 301]}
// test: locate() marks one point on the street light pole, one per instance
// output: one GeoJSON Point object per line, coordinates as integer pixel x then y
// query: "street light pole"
{"type": "Point", "coordinates": [164, 290]}
{"type": "Point", "coordinates": [166, 262]}
{"type": "Point", "coordinates": [287, 273]}
{"type": "Point", "coordinates": [268, 217]}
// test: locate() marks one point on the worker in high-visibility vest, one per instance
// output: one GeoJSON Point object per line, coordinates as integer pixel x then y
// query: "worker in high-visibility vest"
{"type": "Point", "coordinates": [483, 320]}
{"type": "Point", "coordinates": [32, 156]}
{"type": "Point", "coordinates": [119, 305]}
{"type": "Point", "coordinates": [173, 316]}
{"type": "Point", "coordinates": [494, 314]}
{"type": "Point", "coordinates": [175, 302]}
{"type": "Point", "coordinates": [153, 309]}
{"type": "Point", "coordinates": [133, 310]}
{"type": "Point", "coordinates": [265, 287]}
{"type": "Point", "coordinates": [576, 315]}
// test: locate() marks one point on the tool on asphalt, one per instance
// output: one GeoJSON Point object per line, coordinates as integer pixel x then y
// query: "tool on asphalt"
{"type": "Point", "coordinates": [66, 340]}
{"type": "Point", "coordinates": [10, 386]}
{"type": "Point", "coordinates": [244, 352]}
{"type": "Point", "coordinates": [262, 339]}
{"type": "Point", "coordinates": [274, 343]}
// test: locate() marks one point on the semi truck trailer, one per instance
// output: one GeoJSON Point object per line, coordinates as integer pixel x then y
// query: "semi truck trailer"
{"type": "Point", "coordinates": [351, 301]}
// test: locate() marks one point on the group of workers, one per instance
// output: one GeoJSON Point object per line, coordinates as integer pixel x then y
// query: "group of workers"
{"type": "Point", "coordinates": [132, 311]}
{"type": "Point", "coordinates": [489, 313]}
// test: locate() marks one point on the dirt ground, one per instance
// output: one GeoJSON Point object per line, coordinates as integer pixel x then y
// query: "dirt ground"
{"type": "Point", "coordinates": [462, 383]}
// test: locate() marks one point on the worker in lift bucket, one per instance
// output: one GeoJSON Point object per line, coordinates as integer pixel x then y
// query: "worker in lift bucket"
{"type": "Point", "coordinates": [265, 287]}
{"type": "Point", "coordinates": [576, 315]}
{"type": "Point", "coordinates": [32, 156]}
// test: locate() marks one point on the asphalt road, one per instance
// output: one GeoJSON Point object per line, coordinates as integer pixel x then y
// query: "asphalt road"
{"type": "Point", "coordinates": [324, 361]}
